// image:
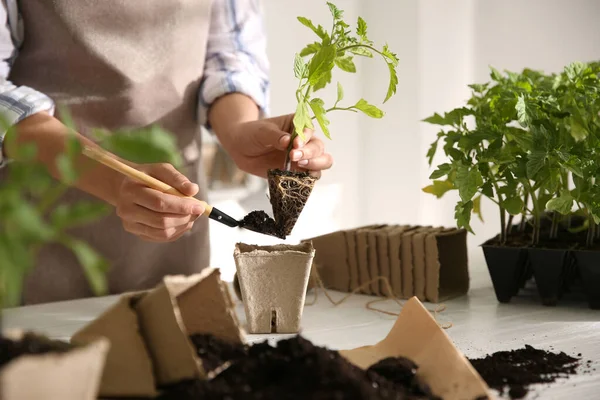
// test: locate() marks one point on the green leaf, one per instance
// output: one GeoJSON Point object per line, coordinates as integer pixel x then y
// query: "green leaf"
{"type": "Point", "coordinates": [535, 163]}
{"type": "Point", "coordinates": [487, 189]}
{"type": "Point", "coordinates": [302, 119]}
{"type": "Point", "coordinates": [323, 82]}
{"type": "Point", "coordinates": [442, 170]}
{"type": "Point", "coordinates": [340, 93]}
{"type": "Point", "coordinates": [392, 87]}
{"type": "Point", "coordinates": [436, 119]}
{"type": "Point", "coordinates": [321, 64]}
{"type": "Point", "coordinates": [574, 70]}
{"type": "Point", "coordinates": [522, 112]}
{"type": "Point", "coordinates": [318, 30]}
{"type": "Point", "coordinates": [317, 105]}
{"type": "Point", "coordinates": [147, 145]}
{"type": "Point", "coordinates": [495, 75]}
{"type": "Point", "coordinates": [578, 131]}
{"type": "Point", "coordinates": [468, 181]}
{"type": "Point", "coordinates": [30, 222]}
{"type": "Point", "coordinates": [345, 64]}
{"type": "Point", "coordinates": [361, 29]}
{"type": "Point", "coordinates": [67, 216]}
{"type": "Point", "coordinates": [477, 207]}
{"type": "Point", "coordinates": [462, 215]}
{"type": "Point", "coordinates": [368, 109]}
{"type": "Point", "coordinates": [310, 49]}
{"type": "Point", "coordinates": [67, 170]}
{"type": "Point", "coordinates": [299, 66]}
{"type": "Point", "coordinates": [439, 188]}
{"type": "Point", "coordinates": [513, 205]}
{"type": "Point", "coordinates": [562, 204]}
{"type": "Point", "coordinates": [335, 12]}
{"type": "Point", "coordinates": [94, 266]}
{"type": "Point", "coordinates": [431, 152]}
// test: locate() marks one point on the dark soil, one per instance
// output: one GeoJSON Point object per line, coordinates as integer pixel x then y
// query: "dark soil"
{"type": "Point", "coordinates": [296, 369]}
{"type": "Point", "coordinates": [261, 222]}
{"type": "Point", "coordinates": [514, 371]}
{"type": "Point", "coordinates": [30, 343]}
{"type": "Point", "coordinates": [289, 191]}
{"type": "Point", "coordinates": [214, 352]}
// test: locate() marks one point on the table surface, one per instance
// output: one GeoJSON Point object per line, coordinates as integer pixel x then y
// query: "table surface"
{"type": "Point", "coordinates": [480, 325]}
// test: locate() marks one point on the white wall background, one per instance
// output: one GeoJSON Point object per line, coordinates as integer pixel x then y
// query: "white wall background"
{"type": "Point", "coordinates": [443, 45]}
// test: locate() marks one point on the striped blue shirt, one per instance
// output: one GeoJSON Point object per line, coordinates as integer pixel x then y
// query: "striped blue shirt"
{"type": "Point", "coordinates": [236, 61]}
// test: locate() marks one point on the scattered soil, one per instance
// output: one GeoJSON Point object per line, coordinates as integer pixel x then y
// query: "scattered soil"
{"type": "Point", "coordinates": [514, 371]}
{"type": "Point", "coordinates": [261, 222]}
{"type": "Point", "coordinates": [289, 191]}
{"type": "Point", "coordinates": [296, 369]}
{"type": "Point", "coordinates": [30, 343]}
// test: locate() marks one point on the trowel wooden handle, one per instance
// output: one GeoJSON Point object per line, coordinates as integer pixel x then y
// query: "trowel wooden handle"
{"type": "Point", "coordinates": [105, 158]}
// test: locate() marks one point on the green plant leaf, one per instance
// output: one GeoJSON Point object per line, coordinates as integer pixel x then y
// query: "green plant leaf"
{"type": "Point", "coordinates": [442, 170]}
{"type": "Point", "coordinates": [318, 30]}
{"type": "Point", "coordinates": [30, 222]}
{"type": "Point", "coordinates": [487, 189]}
{"type": "Point", "coordinates": [562, 204]}
{"type": "Point", "coordinates": [523, 114]}
{"type": "Point", "coordinates": [317, 105]}
{"type": "Point", "coordinates": [94, 266]}
{"type": "Point", "coordinates": [477, 208]}
{"type": "Point", "coordinates": [323, 82]}
{"type": "Point", "coordinates": [335, 12]}
{"type": "Point", "coordinates": [578, 131]}
{"type": "Point", "coordinates": [392, 87]}
{"type": "Point", "coordinates": [302, 119]}
{"type": "Point", "coordinates": [67, 216]}
{"type": "Point", "coordinates": [368, 109]}
{"type": "Point", "coordinates": [535, 163]}
{"type": "Point", "coordinates": [513, 205]}
{"type": "Point", "coordinates": [574, 70]}
{"type": "Point", "coordinates": [147, 145]}
{"type": "Point", "coordinates": [66, 169]}
{"type": "Point", "coordinates": [495, 74]}
{"type": "Point", "coordinates": [468, 181]}
{"type": "Point", "coordinates": [439, 188]}
{"type": "Point", "coordinates": [310, 49]}
{"type": "Point", "coordinates": [462, 214]}
{"type": "Point", "coordinates": [345, 64]}
{"type": "Point", "coordinates": [321, 64]}
{"type": "Point", "coordinates": [340, 93]}
{"type": "Point", "coordinates": [361, 29]}
{"type": "Point", "coordinates": [299, 66]}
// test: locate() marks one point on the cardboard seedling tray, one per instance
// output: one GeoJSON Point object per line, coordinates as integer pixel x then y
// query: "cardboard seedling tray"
{"type": "Point", "coordinates": [149, 333]}
{"type": "Point", "coordinates": [424, 261]}
{"type": "Point", "coordinates": [75, 374]}
{"type": "Point", "coordinates": [417, 336]}
{"type": "Point", "coordinates": [273, 282]}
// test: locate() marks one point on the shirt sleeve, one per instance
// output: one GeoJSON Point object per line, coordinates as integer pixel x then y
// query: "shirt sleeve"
{"type": "Point", "coordinates": [236, 57]}
{"type": "Point", "coordinates": [16, 102]}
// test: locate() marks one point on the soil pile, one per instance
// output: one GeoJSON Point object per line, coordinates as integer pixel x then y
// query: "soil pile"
{"type": "Point", "coordinates": [30, 343]}
{"type": "Point", "coordinates": [296, 369]}
{"type": "Point", "coordinates": [515, 370]}
{"type": "Point", "coordinates": [259, 221]}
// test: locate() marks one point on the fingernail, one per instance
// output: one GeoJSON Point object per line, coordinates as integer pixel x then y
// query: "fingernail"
{"type": "Point", "coordinates": [302, 163]}
{"type": "Point", "coordinates": [296, 155]}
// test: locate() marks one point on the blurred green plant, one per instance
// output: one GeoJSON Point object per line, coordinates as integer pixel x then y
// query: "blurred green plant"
{"type": "Point", "coordinates": [32, 216]}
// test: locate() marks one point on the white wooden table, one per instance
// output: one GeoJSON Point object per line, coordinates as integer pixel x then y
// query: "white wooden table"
{"type": "Point", "coordinates": [480, 326]}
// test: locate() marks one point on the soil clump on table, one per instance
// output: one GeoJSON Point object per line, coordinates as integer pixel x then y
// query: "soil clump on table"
{"type": "Point", "coordinates": [30, 343]}
{"type": "Point", "coordinates": [295, 369]}
{"type": "Point", "coordinates": [512, 372]}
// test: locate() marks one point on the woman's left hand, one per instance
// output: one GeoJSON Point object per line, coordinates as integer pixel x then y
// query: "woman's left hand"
{"type": "Point", "coordinates": [258, 146]}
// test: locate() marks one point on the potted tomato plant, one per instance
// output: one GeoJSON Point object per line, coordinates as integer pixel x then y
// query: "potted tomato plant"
{"type": "Point", "coordinates": [527, 141]}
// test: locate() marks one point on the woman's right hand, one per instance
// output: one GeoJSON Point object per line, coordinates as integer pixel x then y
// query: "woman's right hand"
{"type": "Point", "coordinates": [155, 216]}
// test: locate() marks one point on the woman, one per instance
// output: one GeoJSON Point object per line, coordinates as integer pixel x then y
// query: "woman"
{"type": "Point", "coordinates": [115, 64]}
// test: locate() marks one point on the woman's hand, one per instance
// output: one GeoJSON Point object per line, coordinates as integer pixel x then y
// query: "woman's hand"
{"type": "Point", "coordinates": [258, 146]}
{"type": "Point", "coordinates": [155, 216]}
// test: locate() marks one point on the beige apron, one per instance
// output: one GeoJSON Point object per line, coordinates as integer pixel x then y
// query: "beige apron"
{"type": "Point", "coordinates": [116, 64]}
